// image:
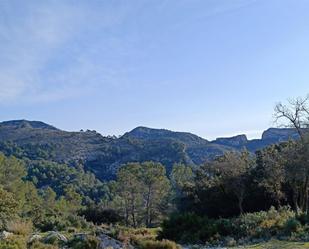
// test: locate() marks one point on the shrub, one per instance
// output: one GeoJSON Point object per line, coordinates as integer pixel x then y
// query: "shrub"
{"type": "Point", "coordinates": [40, 245]}
{"type": "Point", "coordinates": [91, 242]}
{"type": "Point", "coordinates": [99, 215]}
{"type": "Point", "coordinates": [303, 218]}
{"type": "Point", "coordinates": [292, 226]}
{"type": "Point", "coordinates": [261, 224]}
{"type": "Point", "coordinates": [20, 227]}
{"type": "Point", "coordinates": [51, 223]}
{"type": "Point", "coordinates": [125, 234]}
{"type": "Point", "coordinates": [153, 244]}
{"type": "Point", "coordinates": [13, 243]}
{"type": "Point", "coordinates": [77, 222]}
{"type": "Point", "coordinates": [188, 228]}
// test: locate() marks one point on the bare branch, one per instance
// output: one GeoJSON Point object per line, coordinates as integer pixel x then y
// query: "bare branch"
{"type": "Point", "coordinates": [294, 114]}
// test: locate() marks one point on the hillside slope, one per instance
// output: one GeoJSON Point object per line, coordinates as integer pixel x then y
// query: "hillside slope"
{"type": "Point", "coordinates": [103, 155]}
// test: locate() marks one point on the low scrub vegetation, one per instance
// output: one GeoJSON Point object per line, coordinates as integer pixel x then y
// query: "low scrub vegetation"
{"type": "Point", "coordinates": [237, 198]}
{"type": "Point", "coordinates": [281, 223]}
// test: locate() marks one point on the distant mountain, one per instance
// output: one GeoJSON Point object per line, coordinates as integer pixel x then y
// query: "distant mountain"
{"type": "Point", "coordinates": [154, 134]}
{"type": "Point", "coordinates": [236, 141]}
{"type": "Point", "coordinates": [104, 155]}
{"type": "Point", "coordinates": [16, 124]}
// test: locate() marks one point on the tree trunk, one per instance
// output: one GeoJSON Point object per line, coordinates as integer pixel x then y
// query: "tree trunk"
{"type": "Point", "coordinates": [148, 207]}
{"type": "Point", "coordinates": [240, 201]}
{"type": "Point", "coordinates": [295, 200]}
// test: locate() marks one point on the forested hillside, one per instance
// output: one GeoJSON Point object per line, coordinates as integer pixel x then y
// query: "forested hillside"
{"type": "Point", "coordinates": [172, 187]}
{"type": "Point", "coordinates": [103, 155]}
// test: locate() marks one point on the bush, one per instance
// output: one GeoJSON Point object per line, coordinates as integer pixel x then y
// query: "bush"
{"type": "Point", "coordinates": [51, 223]}
{"type": "Point", "coordinates": [292, 226]}
{"type": "Point", "coordinates": [262, 224]}
{"type": "Point", "coordinates": [91, 242]}
{"type": "Point", "coordinates": [99, 215]}
{"type": "Point", "coordinates": [188, 228]}
{"type": "Point", "coordinates": [20, 227]}
{"type": "Point", "coordinates": [153, 244]}
{"type": "Point", "coordinates": [127, 234]}
{"type": "Point", "coordinates": [40, 245]}
{"type": "Point", "coordinates": [13, 243]}
{"type": "Point", "coordinates": [77, 222]}
{"type": "Point", "coordinates": [303, 218]}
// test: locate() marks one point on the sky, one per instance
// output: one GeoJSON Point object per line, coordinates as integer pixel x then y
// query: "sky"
{"type": "Point", "coordinates": [211, 67]}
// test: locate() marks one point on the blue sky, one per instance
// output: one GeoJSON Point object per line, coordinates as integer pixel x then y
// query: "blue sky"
{"type": "Point", "coordinates": [210, 67]}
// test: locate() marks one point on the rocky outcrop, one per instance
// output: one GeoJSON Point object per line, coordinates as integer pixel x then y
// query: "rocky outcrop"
{"type": "Point", "coordinates": [108, 242]}
{"type": "Point", "coordinates": [5, 235]}
{"type": "Point", "coordinates": [34, 237]}
{"type": "Point", "coordinates": [105, 241]}
{"type": "Point", "coordinates": [55, 236]}
{"type": "Point", "coordinates": [236, 141]}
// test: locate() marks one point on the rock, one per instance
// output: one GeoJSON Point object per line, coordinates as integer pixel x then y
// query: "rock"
{"type": "Point", "coordinates": [4, 235]}
{"type": "Point", "coordinates": [34, 237]}
{"type": "Point", "coordinates": [230, 241]}
{"type": "Point", "coordinates": [52, 236]}
{"type": "Point", "coordinates": [105, 241]}
{"type": "Point", "coordinates": [80, 236]}
{"type": "Point", "coordinates": [108, 242]}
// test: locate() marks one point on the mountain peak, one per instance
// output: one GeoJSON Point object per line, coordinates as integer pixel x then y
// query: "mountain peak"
{"type": "Point", "coordinates": [27, 124]}
{"type": "Point", "coordinates": [281, 134]}
{"type": "Point", "coordinates": [239, 140]}
{"type": "Point", "coordinates": [142, 132]}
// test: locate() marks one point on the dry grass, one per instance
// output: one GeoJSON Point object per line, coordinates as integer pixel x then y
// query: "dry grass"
{"type": "Point", "coordinates": [20, 227]}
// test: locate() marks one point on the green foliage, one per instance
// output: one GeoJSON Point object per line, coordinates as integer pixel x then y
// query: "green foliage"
{"type": "Point", "coordinates": [99, 215]}
{"type": "Point", "coordinates": [89, 242]}
{"type": "Point", "coordinates": [192, 228]}
{"type": "Point", "coordinates": [51, 223]}
{"type": "Point", "coordinates": [143, 191]}
{"type": "Point", "coordinates": [8, 207]}
{"type": "Point", "coordinates": [152, 244]}
{"type": "Point", "coordinates": [188, 228]}
{"type": "Point", "coordinates": [40, 245]}
{"type": "Point", "coordinates": [143, 238]}
{"type": "Point", "coordinates": [13, 243]}
{"type": "Point", "coordinates": [292, 226]}
{"type": "Point", "coordinates": [263, 224]}
{"type": "Point", "coordinates": [61, 177]}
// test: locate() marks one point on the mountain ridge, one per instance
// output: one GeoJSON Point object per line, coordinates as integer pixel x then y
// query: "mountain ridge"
{"type": "Point", "coordinates": [103, 155]}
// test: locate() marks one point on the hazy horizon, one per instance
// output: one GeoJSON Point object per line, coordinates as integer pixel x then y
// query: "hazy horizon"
{"type": "Point", "coordinates": [212, 68]}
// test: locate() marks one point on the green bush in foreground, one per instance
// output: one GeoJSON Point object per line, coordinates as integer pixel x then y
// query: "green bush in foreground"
{"type": "Point", "coordinates": [152, 244]}
{"type": "Point", "coordinates": [90, 242]}
{"type": "Point", "coordinates": [191, 228]}
{"type": "Point", "coordinates": [40, 245]}
{"type": "Point", "coordinates": [13, 243]}
{"type": "Point", "coordinates": [188, 228]}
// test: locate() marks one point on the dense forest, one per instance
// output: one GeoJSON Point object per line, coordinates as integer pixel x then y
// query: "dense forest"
{"type": "Point", "coordinates": [235, 198]}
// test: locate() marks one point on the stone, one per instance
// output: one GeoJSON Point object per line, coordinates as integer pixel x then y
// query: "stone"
{"type": "Point", "coordinates": [55, 236]}
{"type": "Point", "coordinates": [4, 235]}
{"type": "Point", "coordinates": [108, 242]}
{"type": "Point", "coordinates": [34, 237]}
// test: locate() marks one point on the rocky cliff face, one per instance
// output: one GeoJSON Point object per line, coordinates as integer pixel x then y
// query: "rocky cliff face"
{"type": "Point", "coordinates": [280, 134]}
{"type": "Point", "coordinates": [104, 155]}
{"type": "Point", "coordinates": [236, 141]}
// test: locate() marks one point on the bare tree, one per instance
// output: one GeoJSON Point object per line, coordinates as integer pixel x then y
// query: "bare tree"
{"type": "Point", "coordinates": [295, 114]}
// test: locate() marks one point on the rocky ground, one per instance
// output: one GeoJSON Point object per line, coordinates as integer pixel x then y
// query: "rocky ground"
{"type": "Point", "coordinates": [51, 237]}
